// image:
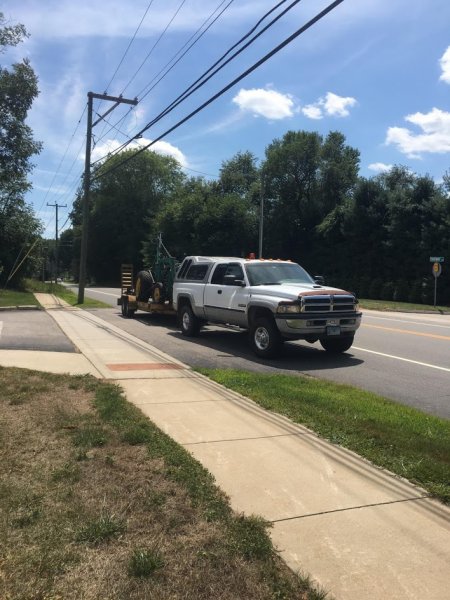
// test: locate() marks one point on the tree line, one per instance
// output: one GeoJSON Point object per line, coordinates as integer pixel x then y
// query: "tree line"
{"type": "Point", "coordinates": [373, 236]}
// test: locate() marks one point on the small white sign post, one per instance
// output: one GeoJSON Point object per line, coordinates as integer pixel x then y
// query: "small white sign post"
{"type": "Point", "coordinates": [436, 270]}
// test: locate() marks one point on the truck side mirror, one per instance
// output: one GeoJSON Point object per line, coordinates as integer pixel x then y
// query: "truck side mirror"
{"type": "Point", "coordinates": [231, 280]}
{"type": "Point", "coordinates": [319, 279]}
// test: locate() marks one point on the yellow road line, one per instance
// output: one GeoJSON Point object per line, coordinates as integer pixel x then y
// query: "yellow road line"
{"type": "Point", "coordinates": [407, 331]}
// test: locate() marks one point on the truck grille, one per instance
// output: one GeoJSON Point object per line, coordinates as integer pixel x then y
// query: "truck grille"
{"type": "Point", "coordinates": [328, 303]}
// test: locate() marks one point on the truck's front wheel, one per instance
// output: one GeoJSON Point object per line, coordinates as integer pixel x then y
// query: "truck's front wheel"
{"type": "Point", "coordinates": [337, 345]}
{"type": "Point", "coordinates": [265, 338]}
{"type": "Point", "coordinates": [189, 324]}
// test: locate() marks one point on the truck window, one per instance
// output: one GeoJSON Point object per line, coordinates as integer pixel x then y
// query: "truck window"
{"type": "Point", "coordinates": [184, 267]}
{"type": "Point", "coordinates": [197, 272]}
{"type": "Point", "coordinates": [219, 273]}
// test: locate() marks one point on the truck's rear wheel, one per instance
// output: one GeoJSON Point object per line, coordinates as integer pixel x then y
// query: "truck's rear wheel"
{"type": "Point", "coordinates": [144, 282]}
{"type": "Point", "coordinates": [337, 345]}
{"type": "Point", "coordinates": [189, 324]}
{"type": "Point", "coordinates": [265, 338]}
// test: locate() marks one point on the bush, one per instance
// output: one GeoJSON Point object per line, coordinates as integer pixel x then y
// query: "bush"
{"type": "Point", "coordinates": [387, 291]}
{"type": "Point", "coordinates": [375, 289]}
{"type": "Point", "coordinates": [402, 291]}
{"type": "Point", "coordinates": [415, 292]}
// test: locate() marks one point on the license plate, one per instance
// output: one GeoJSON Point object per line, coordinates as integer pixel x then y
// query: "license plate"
{"type": "Point", "coordinates": [333, 330]}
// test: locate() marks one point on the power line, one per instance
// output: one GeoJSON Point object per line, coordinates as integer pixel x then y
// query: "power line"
{"type": "Point", "coordinates": [154, 46]}
{"type": "Point", "coordinates": [203, 79]}
{"type": "Point", "coordinates": [264, 59]}
{"type": "Point", "coordinates": [129, 45]}
{"type": "Point", "coordinates": [165, 71]}
{"type": "Point", "coordinates": [186, 51]}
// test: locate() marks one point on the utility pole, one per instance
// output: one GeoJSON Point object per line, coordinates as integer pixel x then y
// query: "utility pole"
{"type": "Point", "coordinates": [87, 180]}
{"type": "Point", "coordinates": [56, 205]}
{"type": "Point", "coordinates": [261, 217]}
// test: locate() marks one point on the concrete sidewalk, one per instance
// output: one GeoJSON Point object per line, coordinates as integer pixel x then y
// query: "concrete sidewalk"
{"type": "Point", "coordinates": [360, 532]}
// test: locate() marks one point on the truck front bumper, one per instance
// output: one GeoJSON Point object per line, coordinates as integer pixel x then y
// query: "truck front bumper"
{"type": "Point", "coordinates": [319, 325]}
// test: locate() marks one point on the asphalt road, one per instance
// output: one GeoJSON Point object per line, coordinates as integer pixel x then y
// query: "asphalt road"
{"type": "Point", "coordinates": [32, 330]}
{"type": "Point", "coordinates": [405, 357]}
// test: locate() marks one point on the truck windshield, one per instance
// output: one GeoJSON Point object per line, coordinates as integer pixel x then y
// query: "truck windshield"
{"type": "Point", "coordinates": [273, 273]}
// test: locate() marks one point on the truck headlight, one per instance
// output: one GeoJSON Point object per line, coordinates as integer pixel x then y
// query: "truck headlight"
{"type": "Point", "coordinates": [288, 308]}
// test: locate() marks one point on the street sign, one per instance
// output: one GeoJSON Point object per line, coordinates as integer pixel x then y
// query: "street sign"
{"type": "Point", "coordinates": [437, 269]}
{"type": "Point", "coordinates": [437, 259]}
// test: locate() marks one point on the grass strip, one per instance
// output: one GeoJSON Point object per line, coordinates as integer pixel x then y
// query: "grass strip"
{"type": "Point", "coordinates": [406, 441]}
{"type": "Point", "coordinates": [32, 285]}
{"type": "Point", "coordinates": [17, 298]}
{"type": "Point", "coordinates": [389, 305]}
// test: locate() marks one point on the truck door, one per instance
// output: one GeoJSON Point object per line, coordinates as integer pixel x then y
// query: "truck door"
{"type": "Point", "coordinates": [226, 301]}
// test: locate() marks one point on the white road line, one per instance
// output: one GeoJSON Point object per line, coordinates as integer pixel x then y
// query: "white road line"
{"type": "Point", "coordinates": [1, 327]}
{"type": "Point", "coordinates": [408, 360]}
{"type": "Point", "coordinates": [106, 293]}
{"type": "Point", "coordinates": [366, 316]}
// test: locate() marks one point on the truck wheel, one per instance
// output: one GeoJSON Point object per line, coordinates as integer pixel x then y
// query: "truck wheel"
{"type": "Point", "coordinates": [337, 345]}
{"type": "Point", "coordinates": [190, 325]}
{"type": "Point", "coordinates": [265, 338]}
{"type": "Point", "coordinates": [144, 282]}
{"type": "Point", "coordinates": [127, 312]}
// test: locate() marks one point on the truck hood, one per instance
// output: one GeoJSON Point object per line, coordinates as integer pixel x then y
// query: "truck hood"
{"type": "Point", "coordinates": [294, 290]}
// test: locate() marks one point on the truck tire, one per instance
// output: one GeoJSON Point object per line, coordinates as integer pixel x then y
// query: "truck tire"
{"type": "Point", "coordinates": [127, 312]}
{"type": "Point", "coordinates": [265, 339]}
{"type": "Point", "coordinates": [144, 282]}
{"type": "Point", "coordinates": [337, 345]}
{"type": "Point", "coordinates": [189, 324]}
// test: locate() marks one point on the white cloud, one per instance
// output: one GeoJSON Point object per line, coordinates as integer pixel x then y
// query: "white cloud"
{"type": "Point", "coordinates": [444, 61]}
{"type": "Point", "coordinates": [331, 105]}
{"type": "Point", "coordinates": [434, 138]}
{"type": "Point", "coordinates": [312, 111]}
{"type": "Point", "coordinates": [161, 147]}
{"type": "Point", "coordinates": [337, 106]}
{"type": "Point", "coordinates": [379, 167]}
{"type": "Point", "coordinates": [265, 103]}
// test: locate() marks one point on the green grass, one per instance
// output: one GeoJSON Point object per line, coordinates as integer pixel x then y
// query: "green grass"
{"type": "Point", "coordinates": [101, 529]}
{"type": "Point", "coordinates": [17, 298]}
{"type": "Point", "coordinates": [32, 285]}
{"type": "Point", "coordinates": [145, 561]}
{"type": "Point", "coordinates": [400, 306]}
{"type": "Point", "coordinates": [406, 441]}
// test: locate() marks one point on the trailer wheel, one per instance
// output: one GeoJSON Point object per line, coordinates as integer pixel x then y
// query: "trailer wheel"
{"type": "Point", "coordinates": [144, 282]}
{"type": "Point", "coordinates": [127, 312]}
{"type": "Point", "coordinates": [157, 293]}
{"type": "Point", "coordinates": [189, 324]}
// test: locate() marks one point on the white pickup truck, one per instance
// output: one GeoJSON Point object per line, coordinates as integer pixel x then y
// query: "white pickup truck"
{"type": "Point", "coordinates": [275, 300]}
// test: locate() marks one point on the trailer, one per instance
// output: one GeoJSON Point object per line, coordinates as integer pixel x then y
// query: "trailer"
{"type": "Point", "coordinates": [152, 290]}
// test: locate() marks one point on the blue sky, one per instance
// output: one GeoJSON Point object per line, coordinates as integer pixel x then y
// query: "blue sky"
{"type": "Point", "coordinates": [377, 70]}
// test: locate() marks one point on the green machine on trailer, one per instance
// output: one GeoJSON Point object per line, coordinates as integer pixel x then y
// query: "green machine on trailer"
{"type": "Point", "coordinates": [152, 290]}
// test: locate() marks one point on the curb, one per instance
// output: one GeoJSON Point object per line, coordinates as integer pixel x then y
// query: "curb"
{"type": "Point", "coordinates": [22, 307]}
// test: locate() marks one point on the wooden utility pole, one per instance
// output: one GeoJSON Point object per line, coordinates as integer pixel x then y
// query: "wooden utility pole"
{"type": "Point", "coordinates": [56, 205]}
{"type": "Point", "coordinates": [87, 180]}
